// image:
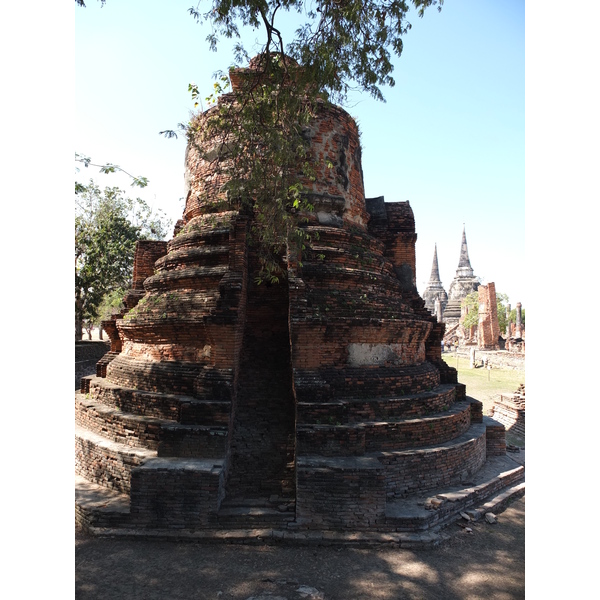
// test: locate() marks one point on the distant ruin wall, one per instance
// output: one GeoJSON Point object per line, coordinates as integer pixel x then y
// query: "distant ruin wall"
{"type": "Point", "coordinates": [498, 359]}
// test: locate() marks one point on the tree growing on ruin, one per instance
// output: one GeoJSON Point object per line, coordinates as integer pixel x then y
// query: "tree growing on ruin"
{"type": "Point", "coordinates": [107, 226]}
{"type": "Point", "coordinates": [256, 133]}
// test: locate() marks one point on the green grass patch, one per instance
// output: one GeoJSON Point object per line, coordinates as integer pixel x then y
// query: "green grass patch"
{"type": "Point", "coordinates": [483, 384]}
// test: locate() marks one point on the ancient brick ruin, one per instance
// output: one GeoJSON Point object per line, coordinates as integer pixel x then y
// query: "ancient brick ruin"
{"type": "Point", "coordinates": [488, 330]}
{"type": "Point", "coordinates": [509, 409]}
{"type": "Point", "coordinates": [315, 407]}
{"type": "Point", "coordinates": [515, 333]}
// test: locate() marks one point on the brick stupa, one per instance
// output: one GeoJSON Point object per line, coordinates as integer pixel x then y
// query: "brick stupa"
{"type": "Point", "coordinates": [320, 404]}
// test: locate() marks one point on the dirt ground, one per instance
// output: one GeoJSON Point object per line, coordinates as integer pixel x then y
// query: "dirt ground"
{"type": "Point", "coordinates": [487, 563]}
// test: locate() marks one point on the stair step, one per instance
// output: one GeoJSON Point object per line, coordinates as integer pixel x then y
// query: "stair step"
{"type": "Point", "coordinates": [193, 278]}
{"type": "Point", "coordinates": [125, 428]}
{"type": "Point", "coordinates": [420, 470]}
{"type": "Point", "coordinates": [172, 492]}
{"type": "Point", "coordinates": [273, 501]}
{"type": "Point", "coordinates": [394, 434]}
{"type": "Point", "coordinates": [254, 516]}
{"type": "Point", "coordinates": [162, 435]}
{"type": "Point", "coordinates": [202, 255]}
{"type": "Point", "coordinates": [171, 407]}
{"type": "Point", "coordinates": [98, 506]}
{"type": "Point", "coordinates": [499, 502]}
{"type": "Point", "coordinates": [199, 237]}
{"type": "Point", "coordinates": [501, 478]}
{"type": "Point", "coordinates": [106, 462]}
{"type": "Point", "coordinates": [349, 410]}
{"type": "Point", "coordinates": [200, 441]}
{"type": "Point", "coordinates": [364, 383]}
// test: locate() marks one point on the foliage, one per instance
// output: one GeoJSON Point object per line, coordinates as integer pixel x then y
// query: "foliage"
{"type": "Point", "coordinates": [141, 182]}
{"type": "Point", "coordinates": [501, 302]}
{"type": "Point", "coordinates": [107, 226]}
{"type": "Point", "coordinates": [339, 43]}
{"type": "Point", "coordinates": [471, 303]}
{"type": "Point", "coordinates": [255, 136]}
{"type": "Point", "coordinates": [513, 316]}
{"type": "Point", "coordinates": [261, 155]}
{"type": "Point", "coordinates": [111, 304]}
{"type": "Point", "coordinates": [82, 2]}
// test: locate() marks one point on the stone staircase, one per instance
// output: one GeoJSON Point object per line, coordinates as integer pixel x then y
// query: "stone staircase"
{"type": "Point", "coordinates": [125, 487]}
{"type": "Point", "coordinates": [415, 522]}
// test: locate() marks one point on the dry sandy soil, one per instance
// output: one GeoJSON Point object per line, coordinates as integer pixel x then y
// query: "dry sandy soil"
{"type": "Point", "coordinates": [487, 563]}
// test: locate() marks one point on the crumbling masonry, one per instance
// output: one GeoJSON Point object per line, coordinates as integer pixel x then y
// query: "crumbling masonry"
{"type": "Point", "coordinates": [488, 330]}
{"type": "Point", "coordinates": [317, 405]}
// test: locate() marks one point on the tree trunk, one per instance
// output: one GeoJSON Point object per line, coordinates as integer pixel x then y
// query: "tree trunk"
{"type": "Point", "coordinates": [78, 319]}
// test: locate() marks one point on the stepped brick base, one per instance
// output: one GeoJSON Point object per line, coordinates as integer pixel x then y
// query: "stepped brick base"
{"type": "Point", "coordinates": [175, 493]}
{"type": "Point", "coordinates": [509, 409]}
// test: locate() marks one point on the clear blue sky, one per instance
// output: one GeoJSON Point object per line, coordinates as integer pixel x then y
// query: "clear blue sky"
{"type": "Point", "coordinates": [450, 138]}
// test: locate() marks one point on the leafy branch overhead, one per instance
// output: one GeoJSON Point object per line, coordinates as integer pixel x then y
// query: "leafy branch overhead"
{"type": "Point", "coordinates": [86, 161]}
{"type": "Point", "coordinates": [254, 136]}
{"type": "Point", "coordinates": [340, 43]}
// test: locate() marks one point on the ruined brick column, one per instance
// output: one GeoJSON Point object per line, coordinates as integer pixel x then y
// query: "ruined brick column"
{"type": "Point", "coordinates": [438, 310]}
{"type": "Point", "coordinates": [508, 321]}
{"type": "Point", "coordinates": [488, 329]}
{"type": "Point", "coordinates": [518, 333]}
{"type": "Point", "coordinates": [147, 252]}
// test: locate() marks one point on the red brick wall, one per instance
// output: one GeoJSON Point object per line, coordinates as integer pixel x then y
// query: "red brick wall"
{"type": "Point", "coordinates": [147, 252]}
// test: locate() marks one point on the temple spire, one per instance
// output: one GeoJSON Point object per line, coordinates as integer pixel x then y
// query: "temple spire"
{"type": "Point", "coordinates": [435, 272]}
{"type": "Point", "coordinates": [462, 285]}
{"type": "Point", "coordinates": [435, 296]}
{"type": "Point", "coordinates": [464, 264]}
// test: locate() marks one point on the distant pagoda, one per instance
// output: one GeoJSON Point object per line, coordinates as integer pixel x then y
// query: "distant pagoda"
{"type": "Point", "coordinates": [435, 291]}
{"type": "Point", "coordinates": [462, 285]}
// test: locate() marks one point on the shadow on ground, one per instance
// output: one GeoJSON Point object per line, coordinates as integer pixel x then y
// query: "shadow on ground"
{"type": "Point", "coordinates": [487, 563]}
